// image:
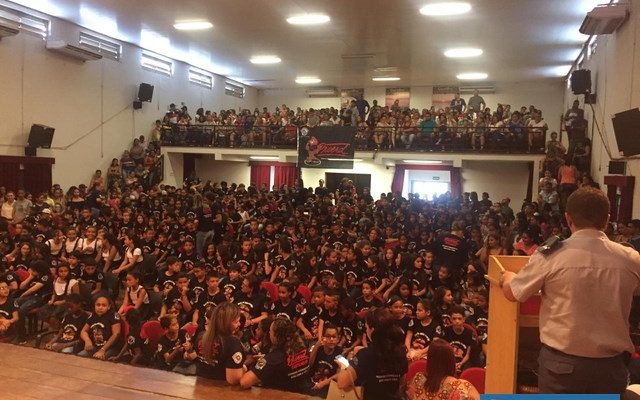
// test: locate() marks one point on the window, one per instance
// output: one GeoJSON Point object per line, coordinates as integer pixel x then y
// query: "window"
{"type": "Point", "coordinates": [105, 47]}
{"type": "Point", "coordinates": [156, 64]}
{"type": "Point", "coordinates": [233, 89]}
{"type": "Point", "coordinates": [428, 190]}
{"type": "Point", "coordinates": [24, 21]}
{"type": "Point", "coordinates": [200, 78]}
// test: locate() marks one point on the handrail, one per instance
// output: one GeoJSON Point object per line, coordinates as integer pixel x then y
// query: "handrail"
{"type": "Point", "coordinates": [502, 139]}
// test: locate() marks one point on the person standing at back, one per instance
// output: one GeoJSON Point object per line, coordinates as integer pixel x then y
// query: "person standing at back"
{"type": "Point", "coordinates": [587, 284]}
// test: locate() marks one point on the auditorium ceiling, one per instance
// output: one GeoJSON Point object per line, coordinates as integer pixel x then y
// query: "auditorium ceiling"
{"type": "Point", "coordinates": [522, 40]}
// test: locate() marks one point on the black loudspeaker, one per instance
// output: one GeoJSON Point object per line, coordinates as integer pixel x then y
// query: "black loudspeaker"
{"type": "Point", "coordinates": [581, 81]}
{"type": "Point", "coordinates": [590, 98]}
{"type": "Point", "coordinates": [617, 167]}
{"type": "Point", "coordinates": [145, 92]}
{"type": "Point", "coordinates": [30, 151]}
{"type": "Point", "coordinates": [137, 105]}
{"type": "Point", "coordinates": [41, 136]}
{"type": "Point", "coordinates": [626, 126]}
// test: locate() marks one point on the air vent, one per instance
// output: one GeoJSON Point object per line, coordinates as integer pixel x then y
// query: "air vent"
{"type": "Point", "coordinates": [68, 50]}
{"type": "Point", "coordinates": [233, 89]}
{"type": "Point", "coordinates": [385, 70]}
{"type": "Point", "coordinates": [605, 19]}
{"type": "Point", "coordinates": [200, 78]}
{"type": "Point", "coordinates": [357, 56]}
{"type": "Point", "coordinates": [482, 89]}
{"type": "Point", "coordinates": [157, 64]}
{"type": "Point", "coordinates": [102, 46]}
{"type": "Point", "coordinates": [7, 30]}
{"type": "Point", "coordinates": [323, 92]}
{"type": "Point", "coordinates": [24, 21]}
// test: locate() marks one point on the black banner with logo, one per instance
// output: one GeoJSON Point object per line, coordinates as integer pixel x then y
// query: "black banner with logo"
{"type": "Point", "coordinates": [326, 147]}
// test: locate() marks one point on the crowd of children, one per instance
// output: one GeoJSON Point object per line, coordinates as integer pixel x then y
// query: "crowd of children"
{"type": "Point", "coordinates": [251, 286]}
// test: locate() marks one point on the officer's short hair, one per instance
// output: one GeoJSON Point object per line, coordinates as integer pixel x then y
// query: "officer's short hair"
{"type": "Point", "coordinates": [588, 207]}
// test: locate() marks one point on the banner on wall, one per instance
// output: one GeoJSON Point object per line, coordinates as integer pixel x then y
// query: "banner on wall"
{"type": "Point", "coordinates": [326, 147]}
{"type": "Point", "coordinates": [442, 96]}
{"type": "Point", "coordinates": [401, 95]}
{"type": "Point", "coordinates": [346, 95]}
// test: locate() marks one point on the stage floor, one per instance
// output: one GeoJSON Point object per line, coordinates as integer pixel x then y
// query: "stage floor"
{"type": "Point", "coordinates": [28, 373]}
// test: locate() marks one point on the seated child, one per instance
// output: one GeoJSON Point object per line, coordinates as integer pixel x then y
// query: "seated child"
{"type": "Point", "coordinates": [68, 337]}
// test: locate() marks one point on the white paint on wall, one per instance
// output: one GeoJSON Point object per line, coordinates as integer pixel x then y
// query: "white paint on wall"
{"type": "Point", "coordinates": [381, 176]}
{"type": "Point", "coordinates": [231, 171]}
{"type": "Point", "coordinates": [89, 104]}
{"type": "Point", "coordinates": [499, 179]}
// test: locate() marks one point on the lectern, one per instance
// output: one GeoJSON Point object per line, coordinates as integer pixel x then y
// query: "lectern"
{"type": "Point", "coordinates": [512, 332]}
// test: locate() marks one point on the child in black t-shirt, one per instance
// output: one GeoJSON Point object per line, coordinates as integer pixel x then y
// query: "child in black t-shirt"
{"type": "Point", "coordinates": [8, 312]}
{"type": "Point", "coordinates": [90, 278]}
{"type": "Point", "coordinates": [402, 320]}
{"type": "Point", "coordinates": [207, 300]}
{"type": "Point", "coordinates": [480, 317]}
{"type": "Point", "coordinates": [69, 335]}
{"type": "Point", "coordinates": [422, 330]}
{"type": "Point", "coordinates": [443, 301]}
{"type": "Point", "coordinates": [101, 332]}
{"type": "Point", "coordinates": [231, 284]}
{"type": "Point", "coordinates": [368, 299]}
{"type": "Point", "coordinates": [352, 326]}
{"type": "Point", "coordinates": [285, 306]}
{"type": "Point", "coordinates": [331, 313]}
{"type": "Point", "coordinates": [312, 321]}
{"type": "Point", "coordinates": [167, 277]}
{"type": "Point", "coordinates": [322, 363]}
{"type": "Point", "coordinates": [135, 350]}
{"type": "Point", "coordinates": [170, 350]}
{"type": "Point", "coordinates": [459, 337]}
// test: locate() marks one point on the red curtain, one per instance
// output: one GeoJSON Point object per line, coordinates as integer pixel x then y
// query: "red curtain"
{"type": "Point", "coordinates": [32, 174]}
{"type": "Point", "coordinates": [260, 174]}
{"type": "Point", "coordinates": [398, 177]}
{"type": "Point", "coordinates": [286, 174]}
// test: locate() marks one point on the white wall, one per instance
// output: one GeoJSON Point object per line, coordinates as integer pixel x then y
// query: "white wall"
{"type": "Point", "coordinates": [615, 77]}
{"type": "Point", "coordinates": [231, 171]}
{"type": "Point", "coordinates": [89, 104]}
{"type": "Point", "coordinates": [546, 95]}
{"type": "Point", "coordinates": [499, 179]}
{"type": "Point", "coordinates": [381, 176]}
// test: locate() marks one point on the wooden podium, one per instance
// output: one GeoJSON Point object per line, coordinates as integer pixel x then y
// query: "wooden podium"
{"type": "Point", "coordinates": [512, 331]}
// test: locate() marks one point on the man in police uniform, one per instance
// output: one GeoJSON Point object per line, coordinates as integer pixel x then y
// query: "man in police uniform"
{"type": "Point", "coordinates": [587, 284]}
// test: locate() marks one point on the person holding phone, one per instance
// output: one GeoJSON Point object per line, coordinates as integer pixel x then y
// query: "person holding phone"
{"type": "Point", "coordinates": [325, 359]}
{"type": "Point", "coordinates": [380, 367]}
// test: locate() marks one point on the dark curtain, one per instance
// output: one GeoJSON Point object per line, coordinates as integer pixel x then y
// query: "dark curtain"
{"type": "Point", "coordinates": [9, 177]}
{"type": "Point", "coordinates": [286, 174]}
{"type": "Point", "coordinates": [260, 174]}
{"type": "Point", "coordinates": [32, 174]}
{"type": "Point", "coordinates": [398, 177]}
{"type": "Point", "coordinates": [37, 178]}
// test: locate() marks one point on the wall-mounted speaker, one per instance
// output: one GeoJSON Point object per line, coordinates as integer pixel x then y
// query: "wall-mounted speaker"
{"type": "Point", "coordinates": [145, 92]}
{"type": "Point", "coordinates": [581, 81]}
{"type": "Point", "coordinates": [40, 136]}
{"type": "Point", "coordinates": [626, 126]}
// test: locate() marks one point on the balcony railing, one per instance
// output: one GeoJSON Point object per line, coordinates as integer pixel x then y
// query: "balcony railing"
{"type": "Point", "coordinates": [407, 139]}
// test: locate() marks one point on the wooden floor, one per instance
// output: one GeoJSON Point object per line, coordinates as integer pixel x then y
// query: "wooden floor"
{"type": "Point", "coordinates": [27, 373]}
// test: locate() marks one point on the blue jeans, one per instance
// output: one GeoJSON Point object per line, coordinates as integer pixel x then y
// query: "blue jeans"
{"type": "Point", "coordinates": [109, 353]}
{"type": "Point", "coordinates": [26, 304]}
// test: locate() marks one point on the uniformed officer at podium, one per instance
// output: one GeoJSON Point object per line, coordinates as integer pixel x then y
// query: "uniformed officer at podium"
{"type": "Point", "coordinates": [587, 284]}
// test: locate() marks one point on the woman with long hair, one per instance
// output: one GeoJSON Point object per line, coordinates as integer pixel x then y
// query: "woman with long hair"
{"type": "Point", "coordinates": [285, 367]}
{"type": "Point", "coordinates": [219, 351]}
{"type": "Point", "coordinates": [380, 367]}
{"type": "Point", "coordinates": [439, 381]}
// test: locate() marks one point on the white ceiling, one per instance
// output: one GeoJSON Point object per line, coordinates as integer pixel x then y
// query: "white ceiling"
{"type": "Point", "coordinates": [523, 40]}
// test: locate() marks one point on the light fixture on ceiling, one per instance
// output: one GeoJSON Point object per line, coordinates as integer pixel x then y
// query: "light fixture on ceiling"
{"type": "Point", "coordinates": [307, 80]}
{"type": "Point", "coordinates": [463, 52]}
{"type": "Point", "coordinates": [267, 59]}
{"type": "Point", "coordinates": [430, 162]}
{"type": "Point", "coordinates": [385, 78]}
{"type": "Point", "coordinates": [472, 76]}
{"type": "Point", "coordinates": [308, 19]}
{"type": "Point", "coordinates": [345, 159]}
{"type": "Point", "coordinates": [264, 158]}
{"type": "Point", "coordinates": [192, 25]}
{"type": "Point", "coordinates": [445, 9]}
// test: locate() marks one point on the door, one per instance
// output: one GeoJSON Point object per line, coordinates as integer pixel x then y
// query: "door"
{"type": "Point", "coordinates": [332, 181]}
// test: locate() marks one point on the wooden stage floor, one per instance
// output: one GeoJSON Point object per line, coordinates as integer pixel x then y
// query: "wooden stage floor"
{"type": "Point", "coordinates": [27, 374]}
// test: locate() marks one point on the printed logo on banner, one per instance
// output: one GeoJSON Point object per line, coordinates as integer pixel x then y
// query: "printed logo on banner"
{"type": "Point", "coordinates": [326, 147]}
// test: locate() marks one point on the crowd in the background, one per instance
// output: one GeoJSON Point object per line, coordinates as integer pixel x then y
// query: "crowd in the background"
{"type": "Point", "coordinates": [460, 126]}
{"type": "Point", "coordinates": [251, 286]}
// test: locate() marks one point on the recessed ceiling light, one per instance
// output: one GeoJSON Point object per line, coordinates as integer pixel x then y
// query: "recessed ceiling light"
{"type": "Point", "coordinates": [345, 159]}
{"type": "Point", "coordinates": [385, 78]}
{"type": "Point", "coordinates": [444, 9]}
{"type": "Point", "coordinates": [422, 162]}
{"type": "Point", "coordinates": [472, 76]}
{"type": "Point", "coordinates": [305, 80]}
{"type": "Point", "coordinates": [265, 59]}
{"type": "Point", "coordinates": [308, 19]}
{"type": "Point", "coordinates": [192, 25]}
{"type": "Point", "coordinates": [264, 158]}
{"type": "Point", "coordinates": [463, 52]}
